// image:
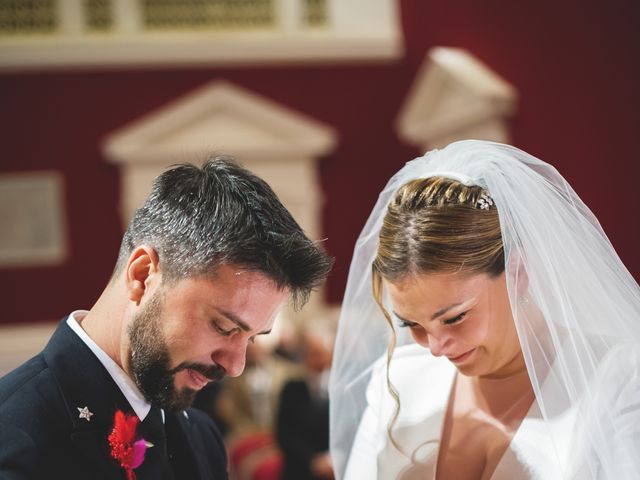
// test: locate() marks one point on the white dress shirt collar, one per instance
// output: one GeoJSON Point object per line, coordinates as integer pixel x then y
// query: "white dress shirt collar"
{"type": "Point", "coordinates": [124, 382]}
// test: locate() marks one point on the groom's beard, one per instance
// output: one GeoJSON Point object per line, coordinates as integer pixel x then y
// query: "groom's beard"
{"type": "Point", "coordinates": [151, 361]}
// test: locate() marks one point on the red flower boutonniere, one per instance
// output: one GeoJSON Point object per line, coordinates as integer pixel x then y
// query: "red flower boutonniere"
{"type": "Point", "coordinates": [124, 447]}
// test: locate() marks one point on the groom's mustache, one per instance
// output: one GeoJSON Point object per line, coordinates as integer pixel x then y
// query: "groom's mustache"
{"type": "Point", "coordinates": [211, 372]}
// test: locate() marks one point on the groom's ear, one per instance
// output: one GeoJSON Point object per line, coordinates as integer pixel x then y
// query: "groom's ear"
{"type": "Point", "coordinates": [141, 272]}
{"type": "Point", "coordinates": [517, 270]}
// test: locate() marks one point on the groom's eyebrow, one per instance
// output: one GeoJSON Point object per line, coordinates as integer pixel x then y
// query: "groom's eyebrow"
{"type": "Point", "coordinates": [232, 317]}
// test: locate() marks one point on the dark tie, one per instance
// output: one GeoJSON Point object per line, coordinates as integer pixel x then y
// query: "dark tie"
{"type": "Point", "coordinates": [156, 460]}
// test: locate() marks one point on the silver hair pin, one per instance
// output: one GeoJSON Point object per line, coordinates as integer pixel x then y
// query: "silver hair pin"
{"type": "Point", "coordinates": [484, 202]}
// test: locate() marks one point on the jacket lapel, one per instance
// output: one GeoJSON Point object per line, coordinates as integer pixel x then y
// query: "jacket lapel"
{"type": "Point", "coordinates": [91, 398]}
{"type": "Point", "coordinates": [89, 391]}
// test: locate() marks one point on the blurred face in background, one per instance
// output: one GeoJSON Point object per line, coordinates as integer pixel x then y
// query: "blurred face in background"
{"type": "Point", "coordinates": [317, 353]}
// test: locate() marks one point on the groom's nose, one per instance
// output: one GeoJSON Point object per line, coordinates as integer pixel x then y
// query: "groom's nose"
{"type": "Point", "coordinates": [232, 358]}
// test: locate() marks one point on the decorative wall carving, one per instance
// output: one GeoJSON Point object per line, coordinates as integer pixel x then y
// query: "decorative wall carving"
{"type": "Point", "coordinates": [456, 97]}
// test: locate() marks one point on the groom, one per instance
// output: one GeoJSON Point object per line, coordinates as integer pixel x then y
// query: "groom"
{"type": "Point", "coordinates": [204, 267]}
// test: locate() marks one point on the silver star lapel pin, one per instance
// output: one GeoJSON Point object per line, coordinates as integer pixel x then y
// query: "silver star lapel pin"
{"type": "Point", "coordinates": [85, 413]}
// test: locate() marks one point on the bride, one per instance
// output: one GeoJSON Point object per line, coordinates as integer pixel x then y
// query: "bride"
{"type": "Point", "coordinates": [511, 330]}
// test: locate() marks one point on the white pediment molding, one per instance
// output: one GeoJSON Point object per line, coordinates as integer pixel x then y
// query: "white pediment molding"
{"type": "Point", "coordinates": [219, 117]}
{"type": "Point", "coordinates": [455, 96]}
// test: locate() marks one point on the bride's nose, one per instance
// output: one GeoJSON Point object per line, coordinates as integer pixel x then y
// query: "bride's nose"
{"type": "Point", "coordinates": [438, 344]}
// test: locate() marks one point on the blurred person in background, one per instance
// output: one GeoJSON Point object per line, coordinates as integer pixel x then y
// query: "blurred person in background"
{"type": "Point", "coordinates": [246, 407]}
{"type": "Point", "coordinates": [303, 413]}
{"type": "Point", "coordinates": [248, 403]}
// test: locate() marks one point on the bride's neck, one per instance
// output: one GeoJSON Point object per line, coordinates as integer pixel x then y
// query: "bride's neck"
{"type": "Point", "coordinates": [505, 390]}
{"type": "Point", "coordinates": [511, 371]}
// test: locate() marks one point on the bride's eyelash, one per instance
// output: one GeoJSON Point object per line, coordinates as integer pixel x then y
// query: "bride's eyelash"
{"type": "Point", "coordinates": [454, 320]}
{"type": "Point", "coordinates": [405, 324]}
{"type": "Point", "coordinates": [450, 321]}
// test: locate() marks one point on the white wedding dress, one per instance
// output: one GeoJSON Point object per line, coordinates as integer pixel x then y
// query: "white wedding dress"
{"type": "Point", "coordinates": [423, 383]}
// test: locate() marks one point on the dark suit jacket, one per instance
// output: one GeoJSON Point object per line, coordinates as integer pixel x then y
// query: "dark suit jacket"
{"type": "Point", "coordinates": [42, 435]}
{"type": "Point", "coordinates": [302, 429]}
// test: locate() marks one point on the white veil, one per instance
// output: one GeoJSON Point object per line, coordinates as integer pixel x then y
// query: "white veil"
{"type": "Point", "coordinates": [581, 312]}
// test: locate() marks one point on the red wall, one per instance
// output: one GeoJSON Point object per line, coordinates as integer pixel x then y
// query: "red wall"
{"type": "Point", "coordinates": [576, 65]}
